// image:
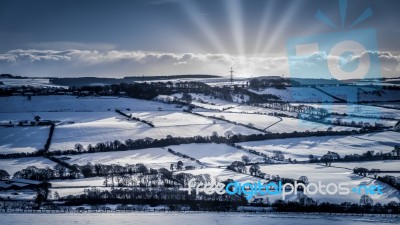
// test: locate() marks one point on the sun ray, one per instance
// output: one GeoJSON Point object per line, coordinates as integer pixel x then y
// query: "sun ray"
{"type": "Point", "coordinates": [282, 25]}
{"type": "Point", "coordinates": [235, 17]}
{"type": "Point", "coordinates": [264, 25]}
{"type": "Point", "coordinates": [196, 16]}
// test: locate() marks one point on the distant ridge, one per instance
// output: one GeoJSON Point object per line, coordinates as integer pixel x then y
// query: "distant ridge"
{"type": "Point", "coordinates": [6, 75]}
{"type": "Point", "coordinates": [85, 81]}
{"type": "Point", "coordinates": [168, 77]}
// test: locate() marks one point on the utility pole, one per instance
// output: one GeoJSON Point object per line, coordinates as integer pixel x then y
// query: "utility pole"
{"type": "Point", "coordinates": [231, 75]}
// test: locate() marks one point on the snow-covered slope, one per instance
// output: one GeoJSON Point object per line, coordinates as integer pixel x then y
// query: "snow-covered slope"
{"type": "Point", "coordinates": [296, 94]}
{"type": "Point", "coordinates": [14, 165]}
{"type": "Point", "coordinates": [22, 139]}
{"type": "Point", "coordinates": [152, 157]}
{"type": "Point", "coordinates": [301, 148]}
{"type": "Point", "coordinates": [319, 173]}
{"type": "Point", "coordinates": [72, 103]}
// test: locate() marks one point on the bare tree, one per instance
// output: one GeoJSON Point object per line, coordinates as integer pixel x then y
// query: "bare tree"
{"type": "Point", "coordinates": [245, 159]}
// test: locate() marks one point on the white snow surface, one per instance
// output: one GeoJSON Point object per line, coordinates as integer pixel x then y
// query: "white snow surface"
{"type": "Point", "coordinates": [190, 218]}
{"type": "Point", "coordinates": [22, 139]}
{"type": "Point", "coordinates": [296, 94]}
{"type": "Point", "coordinates": [14, 165]}
{"type": "Point", "coordinates": [301, 148]}
{"type": "Point", "coordinates": [154, 158]}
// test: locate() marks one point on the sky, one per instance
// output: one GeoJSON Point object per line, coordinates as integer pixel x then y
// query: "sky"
{"type": "Point", "coordinates": [166, 37]}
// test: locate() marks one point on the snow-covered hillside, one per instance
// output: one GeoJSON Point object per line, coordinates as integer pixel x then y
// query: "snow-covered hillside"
{"type": "Point", "coordinates": [14, 165]}
{"type": "Point", "coordinates": [301, 148]}
{"type": "Point", "coordinates": [154, 158]}
{"type": "Point", "coordinates": [117, 128]}
{"type": "Point", "coordinates": [362, 110]}
{"type": "Point", "coordinates": [193, 218]}
{"type": "Point", "coordinates": [319, 173]}
{"type": "Point", "coordinates": [84, 104]}
{"type": "Point", "coordinates": [22, 139]}
{"type": "Point", "coordinates": [296, 94]}
{"type": "Point", "coordinates": [360, 93]}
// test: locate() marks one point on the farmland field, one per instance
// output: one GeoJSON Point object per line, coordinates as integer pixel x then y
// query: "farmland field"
{"type": "Point", "coordinates": [93, 120]}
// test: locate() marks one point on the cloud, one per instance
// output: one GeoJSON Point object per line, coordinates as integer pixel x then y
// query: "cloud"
{"type": "Point", "coordinates": [79, 62]}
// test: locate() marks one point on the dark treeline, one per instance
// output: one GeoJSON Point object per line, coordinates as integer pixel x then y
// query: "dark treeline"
{"type": "Point", "coordinates": [184, 156]}
{"type": "Point", "coordinates": [154, 197]}
{"type": "Point", "coordinates": [250, 126]}
{"type": "Point", "coordinates": [67, 171]}
{"type": "Point", "coordinates": [48, 141]}
{"type": "Point", "coordinates": [279, 83]}
{"type": "Point", "coordinates": [225, 202]}
{"type": "Point", "coordinates": [332, 157]}
{"type": "Point", "coordinates": [391, 180]}
{"type": "Point", "coordinates": [149, 91]}
{"type": "Point", "coordinates": [129, 175]}
{"type": "Point", "coordinates": [80, 81]}
{"type": "Point", "coordinates": [388, 179]}
{"type": "Point", "coordinates": [130, 117]}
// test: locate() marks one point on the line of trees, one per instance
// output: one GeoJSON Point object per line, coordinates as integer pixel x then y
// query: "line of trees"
{"type": "Point", "coordinates": [388, 179]}
{"type": "Point", "coordinates": [331, 157]}
{"type": "Point", "coordinates": [153, 197]}
{"type": "Point", "coordinates": [130, 117]}
{"type": "Point", "coordinates": [179, 154]}
{"type": "Point", "coordinates": [48, 141]}
{"type": "Point", "coordinates": [250, 126]}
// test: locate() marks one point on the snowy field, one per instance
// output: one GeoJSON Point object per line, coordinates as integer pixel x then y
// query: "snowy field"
{"type": "Point", "coordinates": [34, 82]}
{"type": "Point", "coordinates": [22, 139]}
{"type": "Point", "coordinates": [275, 124]}
{"type": "Point", "coordinates": [301, 148]}
{"type": "Point", "coordinates": [84, 104]}
{"type": "Point", "coordinates": [84, 182]}
{"type": "Point", "coordinates": [296, 94]}
{"type": "Point", "coordinates": [210, 154]}
{"type": "Point", "coordinates": [95, 121]}
{"type": "Point", "coordinates": [362, 110]}
{"type": "Point", "coordinates": [290, 125]}
{"type": "Point", "coordinates": [118, 128]}
{"type": "Point", "coordinates": [208, 102]}
{"type": "Point", "coordinates": [252, 109]}
{"type": "Point", "coordinates": [354, 93]}
{"type": "Point", "coordinates": [92, 120]}
{"type": "Point", "coordinates": [14, 165]}
{"type": "Point", "coordinates": [257, 120]}
{"type": "Point", "coordinates": [326, 175]}
{"type": "Point", "coordinates": [388, 165]}
{"type": "Point", "coordinates": [154, 158]}
{"type": "Point", "coordinates": [190, 218]}
{"type": "Point", "coordinates": [214, 154]}
{"type": "Point", "coordinates": [62, 117]}
{"type": "Point", "coordinates": [395, 105]}
{"type": "Point", "coordinates": [63, 192]}
{"type": "Point", "coordinates": [371, 121]}
{"type": "Point", "coordinates": [22, 195]}
{"type": "Point", "coordinates": [108, 129]}
{"type": "Point", "coordinates": [171, 119]}
{"type": "Point", "coordinates": [218, 174]}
